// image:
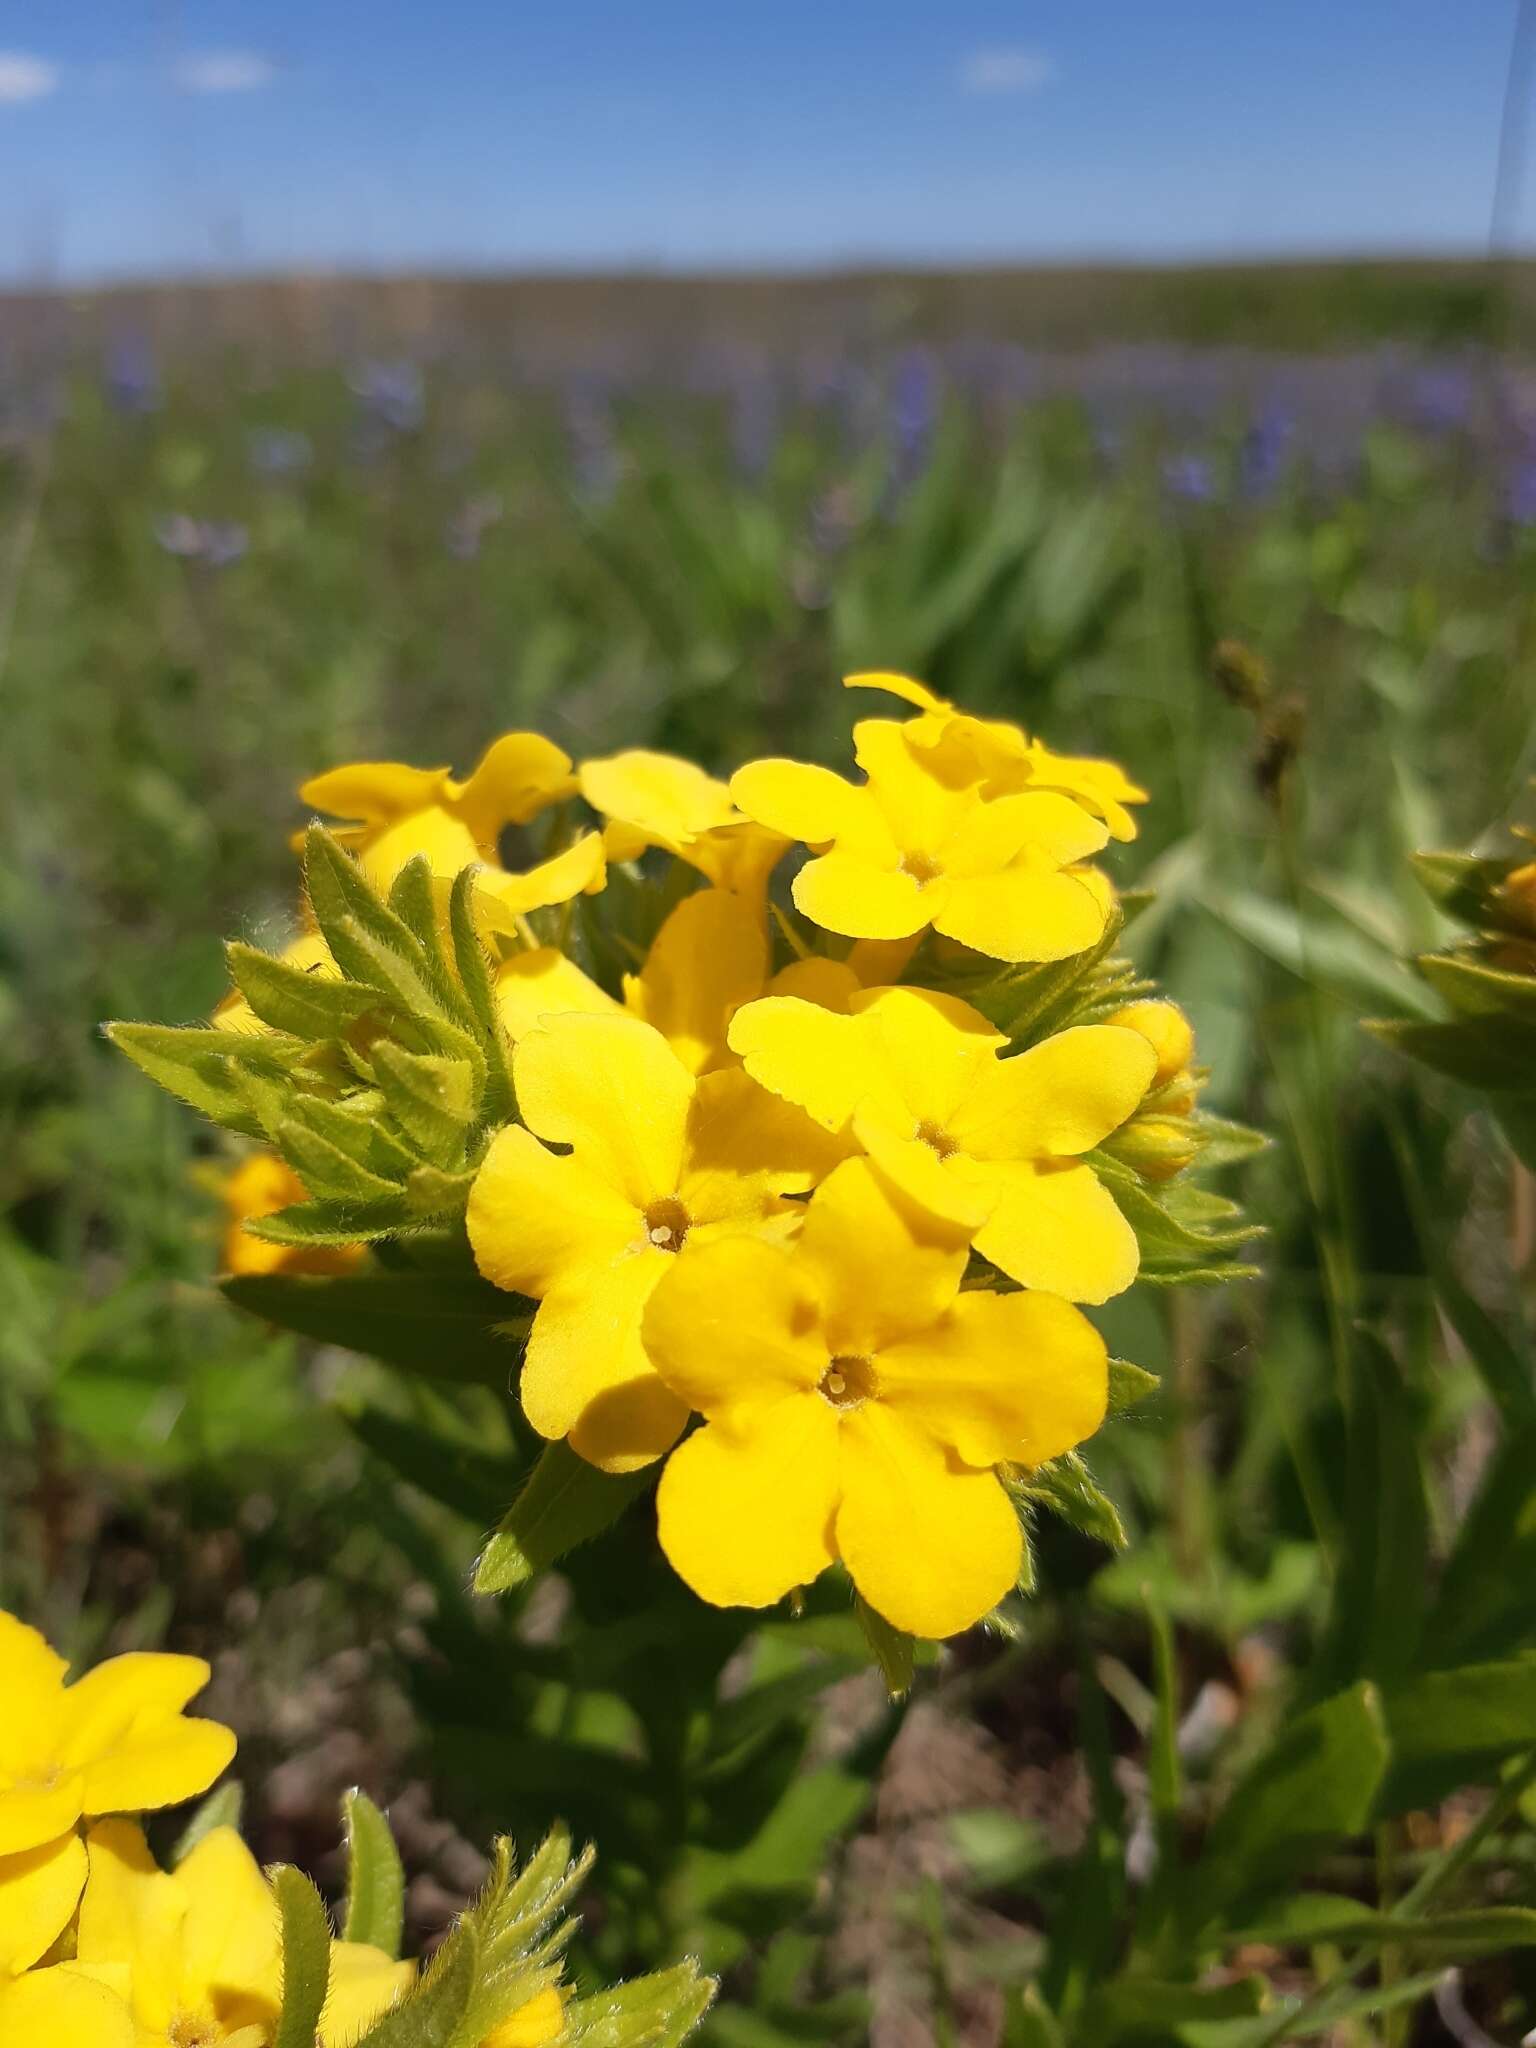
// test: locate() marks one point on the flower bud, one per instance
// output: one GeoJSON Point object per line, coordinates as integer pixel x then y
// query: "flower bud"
{"type": "Point", "coordinates": [1166, 1029]}
{"type": "Point", "coordinates": [1516, 897]}
{"type": "Point", "coordinates": [1156, 1147]}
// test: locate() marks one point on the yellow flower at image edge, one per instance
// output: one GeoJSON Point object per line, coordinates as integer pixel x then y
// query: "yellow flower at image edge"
{"type": "Point", "coordinates": [657, 1159]}
{"type": "Point", "coordinates": [115, 1740]}
{"type": "Point", "coordinates": [908, 850]}
{"type": "Point", "coordinates": [260, 1185]}
{"type": "Point", "coordinates": [857, 1404]}
{"type": "Point", "coordinates": [59, 2008]}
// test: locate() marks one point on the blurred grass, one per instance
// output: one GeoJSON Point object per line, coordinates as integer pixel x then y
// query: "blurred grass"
{"type": "Point", "coordinates": [225, 566]}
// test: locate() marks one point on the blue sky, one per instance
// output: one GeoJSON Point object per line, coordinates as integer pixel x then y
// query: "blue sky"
{"type": "Point", "coordinates": [149, 135]}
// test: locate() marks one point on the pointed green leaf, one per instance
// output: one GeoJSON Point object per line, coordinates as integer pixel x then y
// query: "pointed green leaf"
{"type": "Point", "coordinates": [304, 1002]}
{"type": "Point", "coordinates": [306, 1936]}
{"type": "Point", "coordinates": [375, 1911]}
{"type": "Point", "coordinates": [475, 980]}
{"type": "Point", "coordinates": [414, 900]}
{"type": "Point", "coordinates": [446, 1326]}
{"type": "Point", "coordinates": [345, 903]}
{"type": "Point", "coordinates": [892, 1649]}
{"type": "Point", "coordinates": [432, 1099]}
{"type": "Point", "coordinates": [651, 2012]}
{"type": "Point", "coordinates": [564, 1502]}
{"type": "Point", "coordinates": [221, 1809]}
{"type": "Point", "coordinates": [323, 1223]}
{"type": "Point", "coordinates": [1477, 989]}
{"type": "Point", "coordinates": [1068, 1489]}
{"type": "Point", "coordinates": [429, 2017]}
{"type": "Point", "coordinates": [1129, 1384]}
{"type": "Point", "coordinates": [326, 1170]}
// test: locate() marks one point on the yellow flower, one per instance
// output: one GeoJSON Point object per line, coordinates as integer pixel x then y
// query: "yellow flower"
{"type": "Point", "coordinates": [59, 2008]}
{"type": "Point", "coordinates": [308, 952]}
{"type": "Point", "coordinates": [39, 1890]}
{"type": "Point", "coordinates": [403, 811]}
{"type": "Point", "coordinates": [503, 898]}
{"type": "Point", "coordinates": [115, 1741]}
{"type": "Point", "coordinates": [260, 1185]}
{"type": "Point", "coordinates": [1001, 759]}
{"type": "Point", "coordinates": [653, 799]}
{"type": "Point", "coordinates": [908, 850]}
{"type": "Point", "coordinates": [657, 1158]}
{"type": "Point", "coordinates": [857, 1404]}
{"type": "Point", "coordinates": [992, 1145]}
{"type": "Point", "coordinates": [196, 1952]}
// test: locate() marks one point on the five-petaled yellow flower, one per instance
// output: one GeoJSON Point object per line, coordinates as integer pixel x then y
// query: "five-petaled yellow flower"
{"type": "Point", "coordinates": [857, 1405]}
{"type": "Point", "coordinates": [993, 1145]}
{"type": "Point", "coordinates": [1001, 759]}
{"type": "Point", "coordinates": [115, 1740]}
{"type": "Point", "coordinates": [658, 1159]}
{"type": "Point", "coordinates": [402, 811]}
{"type": "Point", "coordinates": [909, 849]}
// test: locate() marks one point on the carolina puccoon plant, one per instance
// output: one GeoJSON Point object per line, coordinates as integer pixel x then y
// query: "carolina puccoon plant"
{"type": "Point", "coordinates": [792, 1197]}
{"type": "Point", "coordinates": [101, 1947]}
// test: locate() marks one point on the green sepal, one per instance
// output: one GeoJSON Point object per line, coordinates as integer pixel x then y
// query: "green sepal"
{"type": "Point", "coordinates": [375, 1909]}
{"type": "Point", "coordinates": [893, 1650]}
{"type": "Point", "coordinates": [564, 1502]}
{"type": "Point", "coordinates": [326, 1171]}
{"type": "Point", "coordinates": [429, 2015]}
{"type": "Point", "coordinates": [1477, 989]}
{"type": "Point", "coordinates": [421, 1010]}
{"type": "Point", "coordinates": [413, 898]}
{"type": "Point", "coordinates": [1129, 1384]}
{"type": "Point", "coordinates": [355, 1126]}
{"type": "Point", "coordinates": [432, 1099]}
{"type": "Point", "coordinates": [332, 1223]}
{"type": "Point", "coordinates": [1465, 886]}
{"type": "Point", "coordinates": [1069, 1490]}
{"type": "Point", "coordinates": [344, 904]}
{"type": "Point", "coordinates": [292, 999]}
{"type": "Point", "coordinates": [474, 973]}
{"type": "Point", "coordinates": [205, 1068]}
{"type": "Point", "coordinates": [306, 1938]}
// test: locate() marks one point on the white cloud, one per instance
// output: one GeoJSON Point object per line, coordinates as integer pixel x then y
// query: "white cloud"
{"type": "Point", "coordinates": [223, 71]}
{"type": "Point", "coordinates": [25, 78]}
{"type": "Point", "coordinates": [1005, 71]}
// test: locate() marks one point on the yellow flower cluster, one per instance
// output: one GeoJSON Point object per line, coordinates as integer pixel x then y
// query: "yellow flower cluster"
{"type": "Point", "coordinates": [99, 1947]}
{"type": "Point", "coordinates": [797, 1216]}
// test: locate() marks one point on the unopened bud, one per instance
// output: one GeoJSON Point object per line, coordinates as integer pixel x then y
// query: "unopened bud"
{"type": "Point", "coordinates": [1516, 897]}
{"type": "Point", "coordinates": [1166, 1029]}
{"type": "Point", "coordinates": [1156, 1147]}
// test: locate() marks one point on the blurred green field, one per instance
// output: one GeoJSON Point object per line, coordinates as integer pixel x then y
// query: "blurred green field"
{"type": "Point", "coordinates": [224, 568]}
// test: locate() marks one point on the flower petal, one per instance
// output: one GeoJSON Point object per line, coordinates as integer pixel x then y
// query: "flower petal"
{"type": "Point", "coordinates": [33, 1814]}
{"type": "Point", "coordinates": [230, 1939]}
{"type": "Point", "coordinates": [1031, 911]}
{"type": "Point", "coordinates": [61, 2008]}
{"type": "Point", "coordinates": [586, 1375]}
{"type": "Point", "coordinates": [1059, 1230]}
{"type": "Point", "coordinates": [739, 857]}
{"type": "Point", "coordinates": [101, 1707]}
{"type": "Point", "coordinates": [614, 1089]}
{"type": "Point", "coordinates": [501, 898]}
{"type": "Point", "coordinates": [908, 688]}
{"type": "Point", "coordinates": [131, 1913]}
{"type": "Point", "coordinates": [934, 1047]}
{"type": "Point", "coordinates": [537, 1217]}
{"type": "Point", "coordinates": [446, 842]}
{"type": "Point", "coordinates": [923, 1176]}
{"type": "Point", "coordinates": [39, 1890]}
{"type": "Point", "coordinates": [709, 958]}
{"type": "Point", "coordinates": [991, 835]}
{"type": "Point", "coordinates": [811, 1056]}
{"type": "Point", "coordinates": [922, 810]}
{"type": "Point", "coordinates": [734, 1324]}
{"type": "Point", "coordinates": [832, 984]}
{"type": "Point", "coordinates": [376, 791]}
{"type": "Point", "coordinates": [365, 1982]}
{"type": "Point", "coordinates": [744, 1514]}
{"type": "Point", "coordinates": [32, 1674]}
{"type": "Point", "coordinates": [746, 1149]}
{"type": "Point", "coordinates": [1058, 1099]}
{"type": "Point", "coordinates": [544, 983]}
{"type": "Point", "coordinates": [668, 800]}
{"type": "Point", "coordinates": [884, 1267]}
{"type": "Point", "coordinates": [519, 775]}
{"type": "Point", "coordinates": [851, 893]}
{"type": "Point", "coordinates": [797, 800]}
{"type": "Point", "coordinates": [931, 1544]}
{"type": "Point", "coordinates": [165, 1759]}
{"type": "Point", "coordinates": [1015, 1378]}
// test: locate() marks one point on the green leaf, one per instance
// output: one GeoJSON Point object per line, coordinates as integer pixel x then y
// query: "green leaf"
{"type": "Point", "coordinates": [892, 1649]}
{"type": "Point", "coordinates": [1129, 1384]}
{"type": "Point", "coordinates": [328, 1172]}
{"type": "Point", "coordinates": [475, 979]}
{"type": "Point", "coordinates": [326, 1223]}
{"type": "Point", "coordinates": [375, 1911]}
{"type": "Point", "coordinates": [1315, 1785]}
{"type": "Point", "coordinates": [1314, 1918]}
{"type": "Point", "coordinates": [1482, 1052]}
{"type": "Point", "coordinates": [1465, 886]}
{"type": "Point", "coordinates": [186, 1070]}
{"type": "Point", "coordinates": [652, 2012]}
{"type": "Point", "coordinates": [430, 2015]}
{"type": "Point", "coordinates": [1130, 2006]}
{"type": "Point", "coordinates": [1455, 1728]}
{"type": "Point", "coordinates": [306, 1935]}
{"type": "Point", "coordinates": [1068, 1489]}
{"type": "Point", "coordinates": [446, 1326]}
{"type": "Point", "coordinates": [1476, 989]}
{"type": "Point", "coordinates": [1483, 1606]}
{"type": "Point", "coordinates": [221, 1809]}
{"type": "Point", "coordinates": [1031, 2023]}
{"type": "Point", "coordinates": [346, 905]}
{"type": "Point", "coordinates": [305, 1003]}
{"type": "Point", "coordinates": [433, 1099]}
{"type": "Point", "coordinates": [564, 1502]}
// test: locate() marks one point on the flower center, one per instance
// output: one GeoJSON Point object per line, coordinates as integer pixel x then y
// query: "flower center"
{"type": "Point", "coordinates": [666, 1224]}
{"type": "Point", "coordinates": [848, 1382]}
{"type": "Point", "coordinates": [922, 867]}
{"type": "Point", "coordinates": [933, 1134]}
{"type": "Point", "coordinates": [187, 2030]}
